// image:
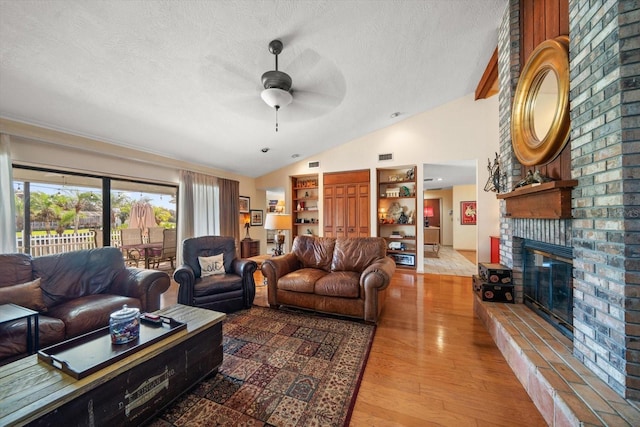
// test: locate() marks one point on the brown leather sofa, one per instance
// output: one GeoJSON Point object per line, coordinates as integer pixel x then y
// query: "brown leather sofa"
{"type": "Point", "coordinates": [74, 293]}
{"type": "Point", "coordinates": [345, 276]}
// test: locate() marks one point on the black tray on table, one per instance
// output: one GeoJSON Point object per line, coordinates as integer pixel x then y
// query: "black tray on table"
{"type": "Point", "coordinates": [86, 354]}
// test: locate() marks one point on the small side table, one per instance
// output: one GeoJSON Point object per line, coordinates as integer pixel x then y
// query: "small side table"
{"type": "Point", "coordinates": [259, 260]}
{"type": "Point", "coordinates": [10, 312]}
{"type": "Point", "coordinates": [249, 248]}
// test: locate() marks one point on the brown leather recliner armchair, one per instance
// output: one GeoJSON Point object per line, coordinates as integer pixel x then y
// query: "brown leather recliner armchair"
{"type": "Point", "coordinates": [234, 290]}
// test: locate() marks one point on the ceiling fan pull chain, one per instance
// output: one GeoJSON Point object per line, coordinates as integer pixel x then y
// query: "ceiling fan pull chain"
{"type": "Point", "coordinates": [277, 108]}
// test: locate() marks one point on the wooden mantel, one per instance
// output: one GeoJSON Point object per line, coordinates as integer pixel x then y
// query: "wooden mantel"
{"type": "Point", "coordinates": [548, 200]}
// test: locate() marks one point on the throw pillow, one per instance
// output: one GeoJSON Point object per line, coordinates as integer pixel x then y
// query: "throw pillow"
{"type": "Point", "coordinates": [27, 295]}
{"type": "Point", "coordinates": [211, 265]}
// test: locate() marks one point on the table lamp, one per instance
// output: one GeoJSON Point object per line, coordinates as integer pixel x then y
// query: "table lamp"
{"type": "Point", "coordinates": [278, 222]}
{"type": "Point", "coordinates": [247, 225]}
{"type": "Point", "coordinates": [428, 213]}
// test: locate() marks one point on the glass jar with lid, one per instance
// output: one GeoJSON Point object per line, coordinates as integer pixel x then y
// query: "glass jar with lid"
{"type": "Point", "coordinates": [124, 325]}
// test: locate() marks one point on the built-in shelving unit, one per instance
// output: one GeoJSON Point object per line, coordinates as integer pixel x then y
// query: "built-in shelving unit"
{"type": "Point", "coordinates": [397, 213]}
{"type": "Point", "coordinates": [304, 205]}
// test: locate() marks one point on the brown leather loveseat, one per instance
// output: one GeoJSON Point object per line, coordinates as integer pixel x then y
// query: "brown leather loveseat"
{"type": "Point", "coordinates": [345, 276]}
{"type": "Point", "coordinates": [74, 293]}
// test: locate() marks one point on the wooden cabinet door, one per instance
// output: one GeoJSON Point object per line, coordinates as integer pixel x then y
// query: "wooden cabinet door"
{"type": "Point", "coordinates": [352, 213]}
{"type": "Point", "coordinates": [363, 211]}
{"type": "Point", "coordinates": [346, 204]}
{"type": "Point", "coordinates": [340, 211]}
{"type": "Point", "coordinates": [329, 191]}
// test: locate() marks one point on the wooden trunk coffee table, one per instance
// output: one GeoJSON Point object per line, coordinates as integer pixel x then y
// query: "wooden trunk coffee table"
{"type": "Point", "coordinates": [127, 392]}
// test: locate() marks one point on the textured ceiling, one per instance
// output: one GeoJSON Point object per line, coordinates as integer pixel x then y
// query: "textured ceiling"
{"type": "Point", "coordinates": [182, 78]}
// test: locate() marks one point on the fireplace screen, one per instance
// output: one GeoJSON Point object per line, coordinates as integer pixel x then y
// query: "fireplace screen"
{"type": "Point", "coordinates": [548, 283]}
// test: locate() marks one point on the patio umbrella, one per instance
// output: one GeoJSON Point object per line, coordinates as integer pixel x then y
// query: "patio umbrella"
{"type": "Point", "coordinates": [142, 216]}
{"type": "Point", "coordinates": [134, 216]}
{"type": "Point", "coordinates": [147, 216]}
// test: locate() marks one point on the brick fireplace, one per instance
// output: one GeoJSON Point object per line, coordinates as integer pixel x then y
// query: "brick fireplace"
{"type": "Point", "coordinates": [548, 283]}
{"type": "Point", "coordinates": [604, 231]}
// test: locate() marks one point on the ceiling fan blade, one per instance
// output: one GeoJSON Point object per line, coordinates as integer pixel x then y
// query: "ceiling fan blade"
{"type": "Point", "coordinates": [328, 99]}
{"type": "Point", "coordinates": [317, 82]}
{"type": "Point", "coordinates": [301, 112]}
{"type": "Point", "coordinates": [302, 63]}
{"type": "Point", "coordinates": [251, 106]}
{"type": "Point", "coordinates": [222, 75]}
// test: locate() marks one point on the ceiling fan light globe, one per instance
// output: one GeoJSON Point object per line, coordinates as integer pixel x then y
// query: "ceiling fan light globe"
{"type": "Point", "coordinates": [276, 98]}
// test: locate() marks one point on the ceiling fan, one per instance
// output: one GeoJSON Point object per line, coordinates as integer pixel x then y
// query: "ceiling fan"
{"type": "Point", "coordinates": [320, 86]}
{"type": "Point", "coordinates": [276, 83]}
{"type": "Point", "coordinates": [318, 89]}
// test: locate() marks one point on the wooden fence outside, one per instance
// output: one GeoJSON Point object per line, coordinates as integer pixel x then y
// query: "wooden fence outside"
{"type": "Point", "coordinates": [49, 244]}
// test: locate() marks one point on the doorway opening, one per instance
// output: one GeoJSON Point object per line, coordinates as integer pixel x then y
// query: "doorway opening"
{"type": "Point", "coordinates": [445, 186]}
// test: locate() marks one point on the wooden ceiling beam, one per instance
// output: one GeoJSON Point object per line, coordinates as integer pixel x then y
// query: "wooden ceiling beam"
{"type": "Point", "coordinates": [488, 85]}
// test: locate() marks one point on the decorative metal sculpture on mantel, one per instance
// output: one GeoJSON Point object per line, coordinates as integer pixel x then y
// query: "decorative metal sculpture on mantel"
{"type": "Point", "coordinates": [532, 178]}
{"type": "Point", "coordinates": [495, 179]}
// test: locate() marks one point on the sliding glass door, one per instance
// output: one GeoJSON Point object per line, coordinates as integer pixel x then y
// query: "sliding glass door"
{"type": "Point", "coordinates": [60, 211]}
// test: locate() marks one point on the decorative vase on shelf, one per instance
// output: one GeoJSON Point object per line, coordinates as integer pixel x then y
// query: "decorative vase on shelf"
{"type": "Point", "coordinates": [403, 219]}
{"type": "Point", "coordinates": [298, 207]}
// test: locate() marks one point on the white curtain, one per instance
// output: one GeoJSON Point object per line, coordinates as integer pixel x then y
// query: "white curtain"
{"type": "Point", "coordinates": [8, 210]}
{"type": "Point", "coordinates": [198, 207]}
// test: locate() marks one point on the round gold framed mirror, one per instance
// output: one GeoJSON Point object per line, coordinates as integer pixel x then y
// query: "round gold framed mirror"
{"type": "Point", "coordinates": [540, 122]}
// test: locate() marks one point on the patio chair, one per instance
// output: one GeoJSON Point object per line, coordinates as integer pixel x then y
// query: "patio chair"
{"type": "Point", "coordinates": [156, 234]}
{"type": "Point", "coordinates": [168, 251]}
{"type": "Point", "coordinates": [128, 237]}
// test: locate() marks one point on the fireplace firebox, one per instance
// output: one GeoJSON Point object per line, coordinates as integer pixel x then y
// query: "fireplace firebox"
{"type": "Point", "coordinates": [548, 283]}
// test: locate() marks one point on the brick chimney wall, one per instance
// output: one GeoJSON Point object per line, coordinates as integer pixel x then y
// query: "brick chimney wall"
{"type": "Point", "coordinates": [605, 153]}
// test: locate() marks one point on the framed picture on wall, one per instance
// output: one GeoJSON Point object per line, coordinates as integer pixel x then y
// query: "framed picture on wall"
{"type": "Point", "coordinates": [256, 217]}
{"type": "Point", "coordinates": [244, 204]}
{"type": "Point", "coordinates": [468, 213]}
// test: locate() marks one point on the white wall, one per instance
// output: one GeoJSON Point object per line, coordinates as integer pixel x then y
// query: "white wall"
{"type": "Point", "coordinates": [464, 236]}
{"type": "Point", "coordinates": [463, 129]}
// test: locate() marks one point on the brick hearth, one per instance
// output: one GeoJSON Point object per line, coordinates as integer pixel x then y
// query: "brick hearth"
{"type": "Point", "coordinates": [563, 389]}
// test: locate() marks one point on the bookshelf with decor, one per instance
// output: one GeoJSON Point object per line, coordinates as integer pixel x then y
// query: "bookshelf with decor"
{"type": "Point", "coordinates": [397, 213]}
{"type": "Point", "coordinates": [304, 205]}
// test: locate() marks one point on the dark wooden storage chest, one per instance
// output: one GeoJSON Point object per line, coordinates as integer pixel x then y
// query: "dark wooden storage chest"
{"type": "Point", "coordinates": [494, 273]}
{"type": "Point", "coordinates": [493, 292]}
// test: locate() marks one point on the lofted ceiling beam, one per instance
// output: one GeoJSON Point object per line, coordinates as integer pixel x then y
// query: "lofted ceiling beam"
{"type": "Point", "coordinates": [488, 85]}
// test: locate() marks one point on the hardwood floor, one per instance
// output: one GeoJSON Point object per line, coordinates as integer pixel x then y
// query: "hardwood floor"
{"type": "Point", "coordinates": [470, 255]}
{"type": "Point", "coordinates": [432, 363]}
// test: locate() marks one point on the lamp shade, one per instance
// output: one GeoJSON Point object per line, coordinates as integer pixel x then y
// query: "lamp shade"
{"type": "Point", "coordinates": [428, 212]}
{"type": "Point", "coordinates": [276, 98]}
{"type": "Point", "coordinates": [277, 222]}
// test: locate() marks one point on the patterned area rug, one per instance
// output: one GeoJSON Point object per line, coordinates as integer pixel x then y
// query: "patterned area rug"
{"type": "Point", "coordinates": [280, 368]}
